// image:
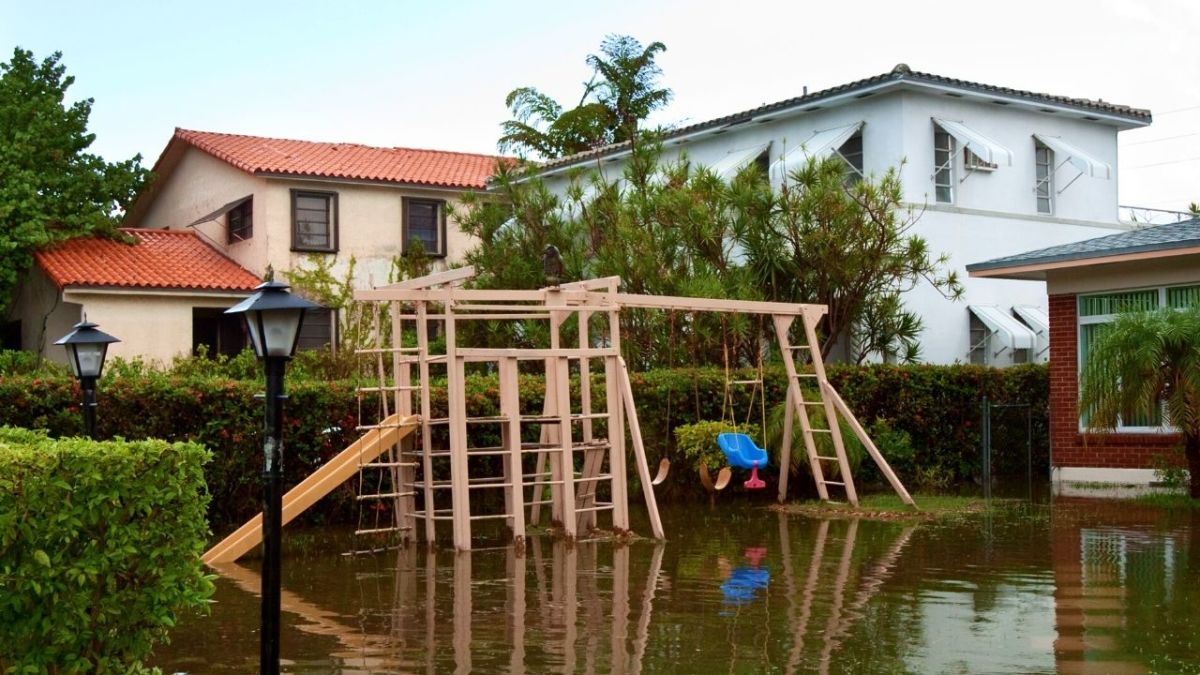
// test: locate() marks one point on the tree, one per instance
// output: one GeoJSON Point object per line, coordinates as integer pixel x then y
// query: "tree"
{"type": "Point", "coordinates": [620, 95]}
{"type": "Point", "coordinates": [1140, 360]}
{"type": "Point", "coordinates": [51, 189]}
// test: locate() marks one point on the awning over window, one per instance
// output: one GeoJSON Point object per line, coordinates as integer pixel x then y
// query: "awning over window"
{"type": "Point", "coordinates": [1004, 326]}
{"type": "Point", "coordinates": [984, 148]}
{"type": "Point", "coordinates": [820, 144]}
{"type": "Point", "coordinates": [1081, 160]}
{"type": "Point", "coordinates": [221, 211]}
{"type": "Point", "coordinates": [1035, 318]}
{"type": "Point", "coordinates": [735, 160]}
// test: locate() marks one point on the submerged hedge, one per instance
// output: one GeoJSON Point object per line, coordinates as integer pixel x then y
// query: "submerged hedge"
{"type": "Point", "coordinates": [100, 547]}
{"type": "Point", "coordinates": [937, 406]}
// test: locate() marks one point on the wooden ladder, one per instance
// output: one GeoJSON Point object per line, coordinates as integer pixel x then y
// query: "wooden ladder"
{"type": "Point", "coordinates": [798, 407]}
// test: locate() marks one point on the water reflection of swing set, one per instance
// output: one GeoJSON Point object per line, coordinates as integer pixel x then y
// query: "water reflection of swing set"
{"type": "Point", "coordinates": [426, 468]}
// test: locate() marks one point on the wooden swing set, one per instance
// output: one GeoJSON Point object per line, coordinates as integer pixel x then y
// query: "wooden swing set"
{"type": "Point", "coordinates": [416, 456]}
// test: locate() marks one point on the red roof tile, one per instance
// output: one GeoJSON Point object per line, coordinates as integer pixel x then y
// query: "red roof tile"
{"type": "Point", "coordinates": [168, 259]}
{"type": "Point", "coordinates": [277, 156]}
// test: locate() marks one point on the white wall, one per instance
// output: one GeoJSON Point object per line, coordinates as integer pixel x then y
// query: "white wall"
{"type": "Point", "coordinates": [43, 315]}
{"type": "Point", "coordinates": [994, 213]}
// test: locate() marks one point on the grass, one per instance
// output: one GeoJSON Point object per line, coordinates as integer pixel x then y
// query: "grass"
{"type": "Point", "coordinates": [1169, 500]}
{"type": "Point", "coordinates": [888, 506]}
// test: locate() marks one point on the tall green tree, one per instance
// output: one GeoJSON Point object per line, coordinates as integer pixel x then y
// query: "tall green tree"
{"type": "Point", "coordinates": [1140, 360]}
{"type": "Point", "coordinates": [622, 92]}
{"type": "Point", "coordinates": [51, 188]}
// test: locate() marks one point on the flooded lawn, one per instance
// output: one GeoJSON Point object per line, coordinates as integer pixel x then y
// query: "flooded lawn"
{"type": "Point", "coordinates": [1083, 586]}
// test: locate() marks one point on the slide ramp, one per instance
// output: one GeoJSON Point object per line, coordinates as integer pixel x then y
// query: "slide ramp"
{"type": "Point", "coordinates": [318, 484]}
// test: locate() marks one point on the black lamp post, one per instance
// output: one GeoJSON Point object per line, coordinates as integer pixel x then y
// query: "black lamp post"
{"type": "Point", "coordinates": [273, 317]}
{"type": "Point", "coordinates": [86, 349]}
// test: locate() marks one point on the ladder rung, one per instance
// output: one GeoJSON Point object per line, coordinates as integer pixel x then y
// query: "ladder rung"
{"type": "Point", "coordinates": [798, 347]}
{"type": "Point", "coordinates": [745, 382]}
{"type": "Point", "coordinates": [807, 376]}
{"type": "Point", "coordinates": [833, 482]}
{"type": "Point", "coordinates": [487, 516]}
{"type": "Point", "coordinates": [387, 495]}
{"type": "Point", "coordinates": [821, 403]}
{"type": "Point", "coordinates": [827, 459]}
{"type": "Point", "coordinates": [380, 530]}
{"type": "Point", "coordinates": [402, 387]}
{"type": "Point", "coordinates": [820, 431]}
{"type": "Point", "coordinates": [540, 501]}
{"type": "Point", "coordinates": [556, 418]}
{"type": "Point", "coordinates": [598, 507]}
{"type": "Point", "coordinates": [594, 479]}
{"type": "Point", "coordinates": [386, 465]}
{"type": "Point", "coordinates": [387, 350]}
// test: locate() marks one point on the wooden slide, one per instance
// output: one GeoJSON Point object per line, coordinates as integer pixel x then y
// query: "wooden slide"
{"type": "Point", "coordinates": [318, 484]}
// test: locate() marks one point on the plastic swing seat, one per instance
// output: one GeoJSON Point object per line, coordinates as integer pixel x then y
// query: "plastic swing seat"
{"type": "Point", "coordinates": [742, 453]}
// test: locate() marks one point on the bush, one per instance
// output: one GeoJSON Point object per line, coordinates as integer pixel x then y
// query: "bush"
{"type": "Point", "coordinates": [100, 547]}
{"type": "Point", "coordinates": [697, 443]}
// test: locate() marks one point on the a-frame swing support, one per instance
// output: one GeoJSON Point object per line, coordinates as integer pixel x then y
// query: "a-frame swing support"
{"type": "Point", "coordinates": [435, 477]}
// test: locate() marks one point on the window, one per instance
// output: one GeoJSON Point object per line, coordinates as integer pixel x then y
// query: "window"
{"type": "Point", "coordinates": [318, 330]}
{"type": "Point", "coordinates": [1096, 311]}
{"type": "Point", "coordinates": [851, 153]}
{"type": "Point", "coordinates": [217, 332]}
{"type": "Point", "coordinates": [314, 221]}
{"type": "Point", "coordinates": [943, 166]}
{"type": "Point", "coordinates": [10, 335]}
{"type": "Point", "coordinates": [979, 341]}
{"type": "Point", "coordinates": [239, 222]}
{"type": "Point", "coordinates": [1043, 161]}
{"type": "Point", "coordinates": [424, 222]}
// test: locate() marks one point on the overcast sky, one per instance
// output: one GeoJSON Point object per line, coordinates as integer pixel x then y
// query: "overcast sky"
{"type": "Point", "coordinates": [434, 74]}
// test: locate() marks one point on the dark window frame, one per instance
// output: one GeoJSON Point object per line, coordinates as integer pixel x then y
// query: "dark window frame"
{"type": "Point", "coordinates": [331, 210]}
{"type": "Point", "coordinates": [244, 229]}
{"type": "Point", "coordinates": [440, 204]}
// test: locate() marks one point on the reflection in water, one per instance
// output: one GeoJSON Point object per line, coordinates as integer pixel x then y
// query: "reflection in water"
{"type": "Point", "coordinates": [1088, 588]}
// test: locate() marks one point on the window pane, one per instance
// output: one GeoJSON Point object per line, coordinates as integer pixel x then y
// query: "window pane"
{"type": "Point", "coordinates": [311, 218]}
{"type": "Point", "coordinates": [1183, 296]}
{"type": "Point", "coordinates": [943, 194]}
{"type": "Point", "coordinates": [1116, 303]}
{"type": "Point", "coordinates": [312, 202]}
{"type": "Point", "coordinates": [424, 226]}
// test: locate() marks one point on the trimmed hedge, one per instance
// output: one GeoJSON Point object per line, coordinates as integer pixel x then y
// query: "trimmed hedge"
{"type": "Point", "coordinates": [938, 407]}
{"type": "Point", "coordinates": [100, 547]}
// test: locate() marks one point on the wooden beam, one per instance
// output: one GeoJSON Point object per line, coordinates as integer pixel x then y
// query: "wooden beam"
{"type": "Point", "coordinates": [714, 305]}
{"type": "Point", "coordinates": [832, 395]}
{"type": "Point", "coordinates": [435, 279]}
{"type": "Point", "coordinates": [639, 451]}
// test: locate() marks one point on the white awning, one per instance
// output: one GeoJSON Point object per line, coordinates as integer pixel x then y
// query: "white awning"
{"type": "Point", "coordinates": [1013, 333]}
{"type": "Point", "coordinates": [1035, 318]}
{"type": "Point", "coordinates": [984, 148]}
{"type": "Point", "coordinates": [221, 211]}
{"type": "Point", "coordinates": [735, 160]}
{"type": "Point", "coordinates": [820, 144]}
{"type": "Point", "coordinates": [1080, 159]}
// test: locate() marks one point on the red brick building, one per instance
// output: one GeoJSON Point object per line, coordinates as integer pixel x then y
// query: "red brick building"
{"type": "Point", "coordinates": [1089, 282]}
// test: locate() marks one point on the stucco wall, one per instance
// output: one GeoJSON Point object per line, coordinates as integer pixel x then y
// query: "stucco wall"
{"type": "Point", "coordinates": [43, 315]}
{"type": "Point", "coordinates": [156, 327]}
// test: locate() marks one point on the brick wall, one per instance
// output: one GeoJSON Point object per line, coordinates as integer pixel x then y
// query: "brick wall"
{"type": "Point", "coordinates": [1068, 447]}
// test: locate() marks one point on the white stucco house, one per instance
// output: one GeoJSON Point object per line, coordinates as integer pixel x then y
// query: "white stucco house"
{"type": "Point", "coordinates": [996, 171]}
{"type": "Point", "coordinates": [277, 202]}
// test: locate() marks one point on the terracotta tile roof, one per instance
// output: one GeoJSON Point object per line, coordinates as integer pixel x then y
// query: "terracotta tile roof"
{"type": "Point", "coordinates": [898, 75]}
{"type": "Point", "coordinates": [168, 259]}
{"type": "Point", "coordinates": [277, 156]}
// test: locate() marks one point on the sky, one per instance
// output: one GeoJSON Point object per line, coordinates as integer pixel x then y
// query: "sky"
{"type": "Point", "coordinates": [435, 74]}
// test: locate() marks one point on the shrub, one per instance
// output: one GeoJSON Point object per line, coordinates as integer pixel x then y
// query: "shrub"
{"type": "Point", "coordinates": [100, 547]}
{"type": "Point", "coordinates": [697, 443]}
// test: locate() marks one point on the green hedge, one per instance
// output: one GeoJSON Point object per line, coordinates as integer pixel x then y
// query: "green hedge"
{"type": "Point", "coordinates": [936, 406]}
{"type": "Point", "coordinates": [100, 547]}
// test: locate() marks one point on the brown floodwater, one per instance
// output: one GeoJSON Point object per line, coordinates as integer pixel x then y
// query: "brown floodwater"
{"type": "Point", "coordinates": [1076, 586]}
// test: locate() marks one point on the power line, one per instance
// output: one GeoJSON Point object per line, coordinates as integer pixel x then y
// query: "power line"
{"type": "Point", "coordinates": [1160, 140]}
{"type": "Point", "coordinates": [1173, 161]}
{"type": "Point", "coordinates": [1177, 110]}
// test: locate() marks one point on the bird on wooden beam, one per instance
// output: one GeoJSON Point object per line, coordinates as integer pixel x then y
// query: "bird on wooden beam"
{"type": "Point", "coordinates": [553, 265]}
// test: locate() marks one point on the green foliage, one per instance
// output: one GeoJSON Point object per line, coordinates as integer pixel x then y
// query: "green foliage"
{"type": "Point", "coordinates": [1168, 472]}
{"type": "Point", "coordinates": [697, 443]}
{"type": "Point", "coordinates": [1140, 359]}
{"type": "Point", "coordinates": [622, 92]}
{"type": "Point", "coordinates": [823, 442]}
{"type": "Point", "coordinates": [100, 547]}
{"type": "Point", "coordinates": [51, 189]}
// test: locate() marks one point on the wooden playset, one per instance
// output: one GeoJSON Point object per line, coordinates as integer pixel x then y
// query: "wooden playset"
{"type": "Point", "coordinates": [427, 470]}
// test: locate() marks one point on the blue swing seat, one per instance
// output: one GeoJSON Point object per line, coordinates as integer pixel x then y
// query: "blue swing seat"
{"type": "Point", "coordinates": [741, 451]}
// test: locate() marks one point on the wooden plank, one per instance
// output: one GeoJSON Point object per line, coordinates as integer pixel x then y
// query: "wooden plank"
{"type": "Point", "coordinates": [616, 446]}
{"type": "Point", "coordinates": [434, 279]}
{"type": "Point", "coordinates": [566, 457]}
{"type": "Point", "coordinates": [510, 404]}
{"type": "Point", "coordinates": [536, 354]}
{"type": "Point", "coordinates": [639, 451]}
{"type": "Point", "coordinates": [318, 484]}
{"type": "Point", "coordinates": [785, 446]}
{"type": "Point", "coordinates": [455, 399]}
{"type": "Point", "coordinates": [685, 304]}
{"type": "Point", "coordinates": [884, 467]}
{"type": "Point", "coordinates": [426, 414]}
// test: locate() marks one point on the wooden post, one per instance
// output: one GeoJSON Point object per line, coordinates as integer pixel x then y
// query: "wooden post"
{"type": "Point", "coordinates": [566, 455]}
{"type": "Point", "coordinates": [785, 446]}
{"type": "Point", "coordinates": [510, 407]}
{"type": "Point", "coordinates": [426, 414]}
{"type": "Point", "coordinates": [639, 451]}
{"type": "Point", "coordinates": [616, 445]}
{"type": "Point", "coordinates": [456, 411]}
{"type": "Point", "coordinates": [407, 474]}
{"type": "Point", "coordinates": [884, 467]}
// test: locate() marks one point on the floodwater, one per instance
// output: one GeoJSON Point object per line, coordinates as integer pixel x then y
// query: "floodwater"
{"type": "Point", "coordinates": [1077, 586]}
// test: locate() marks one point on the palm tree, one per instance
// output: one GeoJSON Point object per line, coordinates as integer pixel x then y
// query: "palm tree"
{"type": "Point", "coordinates": [1140, 360]}
{"type": "Point", "coordinates": [628, 82]}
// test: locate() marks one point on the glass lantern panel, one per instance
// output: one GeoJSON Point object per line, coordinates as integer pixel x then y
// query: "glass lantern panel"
{"type": "Point", "coordinates": [281, 327]}
{"type": "Point", "coordinates": [89, 358]}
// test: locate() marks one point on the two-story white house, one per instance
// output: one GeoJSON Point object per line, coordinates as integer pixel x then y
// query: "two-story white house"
{"type": "Point", "coordinates": [995, 170]}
